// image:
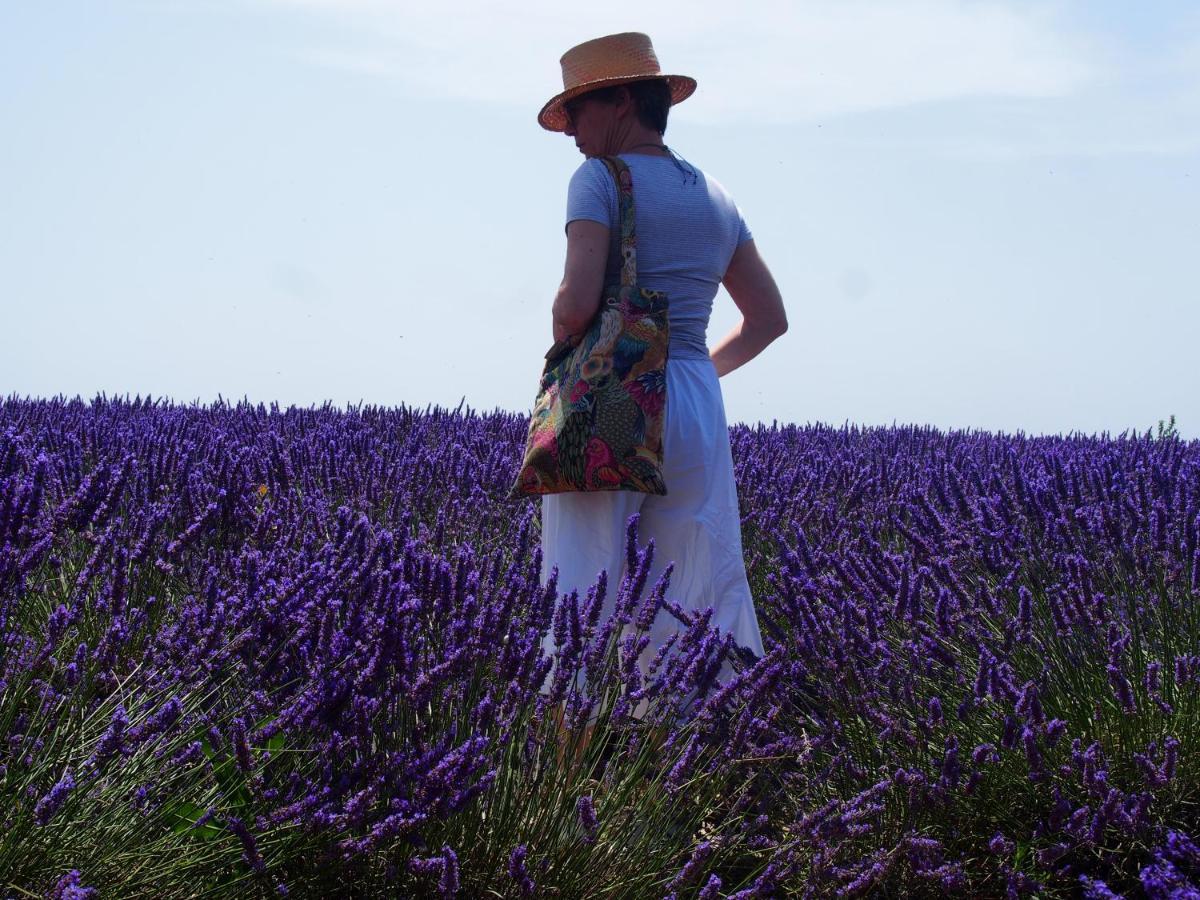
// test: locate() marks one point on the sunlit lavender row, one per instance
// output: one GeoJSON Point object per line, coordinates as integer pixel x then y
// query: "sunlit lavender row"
{"type": "Point", "coordinates": [255, 651]}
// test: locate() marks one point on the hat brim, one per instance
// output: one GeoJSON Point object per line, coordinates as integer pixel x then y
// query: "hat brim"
{"type": "Point", "coordinates": [554, 118]}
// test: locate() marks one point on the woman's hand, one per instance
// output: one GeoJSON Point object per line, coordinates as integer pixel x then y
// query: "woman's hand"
{"type": "Point", "coordinates": [755, 293]}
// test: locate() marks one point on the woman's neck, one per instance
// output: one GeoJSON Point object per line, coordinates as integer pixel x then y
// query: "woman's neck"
{"type": "Point", "coordinates": [646, 147]}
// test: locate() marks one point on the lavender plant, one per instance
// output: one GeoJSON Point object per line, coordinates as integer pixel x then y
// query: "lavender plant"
{"type": "Point", "coordinates": [994, 642]}
{"type": "Point", "coordinates": [252, 651]}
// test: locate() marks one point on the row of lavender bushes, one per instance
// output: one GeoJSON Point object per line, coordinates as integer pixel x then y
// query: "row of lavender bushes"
{"type": "Point", "coordinates": [251, 652]}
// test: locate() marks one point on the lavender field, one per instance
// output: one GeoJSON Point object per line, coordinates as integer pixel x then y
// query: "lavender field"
{"type": "Point", "coordinates": [252, 651]}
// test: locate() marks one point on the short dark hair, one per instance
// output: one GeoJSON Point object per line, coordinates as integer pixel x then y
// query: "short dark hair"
{"type": "Point", "coordinates": [651, 99]}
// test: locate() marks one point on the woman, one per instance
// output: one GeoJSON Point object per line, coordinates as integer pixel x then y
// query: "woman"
{"type": "Point", "coordinates": [691, 238]}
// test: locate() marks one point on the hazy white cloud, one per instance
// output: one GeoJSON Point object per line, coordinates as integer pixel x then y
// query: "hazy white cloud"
{"type": "Point", "coordinates": [1182, 67]}
{"type": "Point", "coordinates": [763, 61]}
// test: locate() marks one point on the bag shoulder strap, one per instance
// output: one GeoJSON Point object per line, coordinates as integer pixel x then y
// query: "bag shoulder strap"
{"type": "Point", "coordinates": [625, 238]}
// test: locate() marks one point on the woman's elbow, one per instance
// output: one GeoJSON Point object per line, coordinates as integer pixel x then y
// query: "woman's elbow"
{"type": "Point", "coordinates": [572, 324]}
{"type": "Point", "coordinates": [772, 327]}
{"type": "Point", "coordinates": [572, 313]}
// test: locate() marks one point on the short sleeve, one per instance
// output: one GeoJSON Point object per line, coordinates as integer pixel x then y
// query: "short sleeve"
{"type": "Point", "coordinates": [743, 229]}
{"type": "Point", "coordinates": [592, 194]}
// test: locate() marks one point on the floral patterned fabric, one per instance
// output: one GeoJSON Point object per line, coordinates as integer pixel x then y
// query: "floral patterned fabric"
{"type": "Point", "coordinates": [597, 421]}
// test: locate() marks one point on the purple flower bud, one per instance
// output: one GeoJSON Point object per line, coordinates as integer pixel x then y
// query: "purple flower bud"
{"type": "Point", "coordinates": [1162, 881]}
{"type": "Point", "coordinates": [1055, 729]}
{"type": "Point", "coordinates": [1122, 689]}
{"type": "Point", "coordinates": [1095, 889]}
{"type": "Point", "coordinates": [448, 884]}
{"type": "Point", "coordinates": [951, 770]}
{"type": "Point", "coordinates": [682, 769]}
{"type": "Point", "coordinates": [1150, 772]}
{"type": "Point", "coordinates": [942, 613]}
{"type": "Point", "coordinates": [1171, 759]}
{"type": "Point", "coordinates": [587, 818]}
{"type": "Point", "coordinates": [935, 712]}
{"type": "Point", "coordinates": [1185, 670]}
{"type": "Point", "coordinates": [1182, 850]}
{"type": "Point", "coordinates": [113, 737]}
{"type": "Point", "coordinates": [241, 748]}
{"type": "Point", "coordinates": [1001, 846]}
{"type": "Point", "coordinates": [631, 542]}
{"type": "Point", "coordinates": [1008, 739]}
{"type": "Point", "coordinates": [1048, 856]}
{"type": "Point", "coordinates": [984, 675]}
{"type": "Point", "coordinates": [984, 753]}
{"type": "Point", "coordinates": [53, 801]}
{"type": "Point", "coordinates": [1151, 679]}
{"type": "Point", "coordinates": [1024, 612]}
{"type": "Point", "coordinates": [249, 844]}
{"type": "Point", "coordinates": [691, 869]}
{"type": "Point", "coordinates": [517, 871]}
{"type": "Point", "coordinates": [1029, 707]}
{"type": "Point", "coordinates": [1032, 753]}
{"type": "Point", "coordinates": [69, 888]}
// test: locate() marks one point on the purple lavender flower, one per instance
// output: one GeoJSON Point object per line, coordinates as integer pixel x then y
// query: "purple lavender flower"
{"type": "Point", "coordinates": [1001, 846]}
{"type": "Point", "coordinates": [1033, 754]}
{"type": "Point", "coordinates": [1182, 850]}
{"type": "Point", "coordinates": [935, 712]}
{"type": "Point", "coordinates": [1055, 729]}
{"type": "Point", "coordinates": [1095, 889]}
{"type": "Point", "coordinates": [50, 804]}
{"type": "Point", "coordinates": [1029, 707]}
{"type": "Point", "coordinates": [249, 844]}
{"type": "Point", "coordinates": [69, 888]}
{"type": "Point", "coordinates": [241, 748]}
{"type": "Point", "coordinates": [951, 768]}
{"type": "Point", "coordinates": [1161, 880]}
{"type": "Point", "coordinates": [1150, 681]}
{"type": "Point", "coordinates": [448, 883]}
{"type": "Point", "coordinates": [1025, 612]}
{"type": "Point", "coordinates": [692, 868]}
{"type": "Point", "coordinates": [517, 871]}
{"type": "Point", "coordinates": [587, 818]}
{"type": "Point", "coordinates": [113, 738]}
{"type": "Point", "coordinates": [1121, 689]}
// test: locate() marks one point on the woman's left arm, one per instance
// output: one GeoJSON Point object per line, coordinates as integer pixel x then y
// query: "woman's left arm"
{"type": "Point", "coordinates": [578, 296]}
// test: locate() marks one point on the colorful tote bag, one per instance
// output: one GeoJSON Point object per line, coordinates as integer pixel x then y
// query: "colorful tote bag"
{"type": "Point", "coordinates": [597, 422]}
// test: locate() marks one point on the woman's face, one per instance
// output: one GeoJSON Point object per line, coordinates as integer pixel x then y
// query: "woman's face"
{"type": "Point", "coordinates": [590, 122]}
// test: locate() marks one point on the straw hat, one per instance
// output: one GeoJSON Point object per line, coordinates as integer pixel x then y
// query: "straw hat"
{"type": "Point", "coordinates": [606, 62]}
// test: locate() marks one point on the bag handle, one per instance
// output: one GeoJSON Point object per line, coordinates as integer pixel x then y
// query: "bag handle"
{"type": "Point", "coordinates": [625, 237]}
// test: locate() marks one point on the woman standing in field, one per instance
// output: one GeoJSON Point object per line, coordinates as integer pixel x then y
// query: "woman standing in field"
{"type": "Point", "coordinates": [691, 238]}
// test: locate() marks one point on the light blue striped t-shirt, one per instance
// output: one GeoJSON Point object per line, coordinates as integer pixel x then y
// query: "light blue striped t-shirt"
{"type": "Point", "coordinates": [687, 231]}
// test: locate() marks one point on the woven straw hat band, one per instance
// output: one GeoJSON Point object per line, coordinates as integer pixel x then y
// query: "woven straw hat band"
{"type": "Point", "coordinates": [610, 60]}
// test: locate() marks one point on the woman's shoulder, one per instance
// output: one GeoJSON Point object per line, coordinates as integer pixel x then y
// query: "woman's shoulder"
{"type": "Point", "coordinates": [592, 166]}
{"type": "Point", "coordinates": [592, 178]}
{"type": "Point", "coordinates": [721, 194]}
{"type": "Point", "coordinates": [592, 171]}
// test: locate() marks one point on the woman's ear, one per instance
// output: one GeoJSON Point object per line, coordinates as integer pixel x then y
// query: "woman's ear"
{"type": "Point", "coordinates": [624, 98]}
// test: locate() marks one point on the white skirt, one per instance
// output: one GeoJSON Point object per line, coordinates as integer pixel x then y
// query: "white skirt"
{"type": "Point", "coordinates": [696, 524]}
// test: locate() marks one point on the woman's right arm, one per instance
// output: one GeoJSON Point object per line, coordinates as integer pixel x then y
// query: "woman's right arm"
{"type": "Point", "coordinates": [756, 295]}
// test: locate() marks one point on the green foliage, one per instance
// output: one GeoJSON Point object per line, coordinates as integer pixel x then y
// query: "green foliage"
{"type": "Point", "coordinates": [1168, 432]}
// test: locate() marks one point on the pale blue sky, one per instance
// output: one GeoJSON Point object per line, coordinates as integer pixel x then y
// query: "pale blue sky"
{"type": "Point", "coordinates": [981, 214]}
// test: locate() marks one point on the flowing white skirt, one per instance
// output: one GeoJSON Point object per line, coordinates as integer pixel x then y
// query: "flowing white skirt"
{"type": "Point", "coordinates": [696, 524]}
